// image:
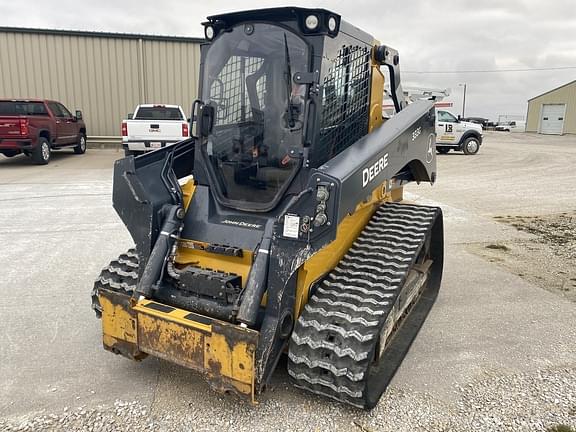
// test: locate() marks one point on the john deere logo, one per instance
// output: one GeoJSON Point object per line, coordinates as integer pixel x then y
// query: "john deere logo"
{"type": "Point", "coordinates": [369, 173]}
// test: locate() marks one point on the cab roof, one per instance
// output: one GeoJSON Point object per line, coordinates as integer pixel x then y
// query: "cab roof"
{"type": "Point", "coordinates": [268, 14]}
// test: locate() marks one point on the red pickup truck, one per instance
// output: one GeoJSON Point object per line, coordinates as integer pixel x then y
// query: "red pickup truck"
{"type": "Point", "coordinates": [36, 127]}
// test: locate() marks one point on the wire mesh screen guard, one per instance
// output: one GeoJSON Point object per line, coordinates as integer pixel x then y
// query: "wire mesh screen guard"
{"type": "Point", "coordinates": [345, 101]}
{"type": "Point", "coordinates": [235, 108]}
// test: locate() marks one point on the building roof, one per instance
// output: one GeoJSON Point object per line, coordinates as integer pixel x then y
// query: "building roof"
{"type": "Point", "coordinates": [554, 89]}
{"type": "Point", "coordinates": [101, 34]}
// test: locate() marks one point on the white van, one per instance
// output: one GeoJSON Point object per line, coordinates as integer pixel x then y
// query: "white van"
{"type": "Point", "coordinates": [512, 126]}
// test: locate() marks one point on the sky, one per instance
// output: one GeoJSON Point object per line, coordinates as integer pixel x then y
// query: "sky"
{"type": "Point", "coordinates": [431, 36]}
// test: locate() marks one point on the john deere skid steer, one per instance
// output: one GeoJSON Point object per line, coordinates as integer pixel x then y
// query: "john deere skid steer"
{"type": "Point", "coordinates": [279, 227]}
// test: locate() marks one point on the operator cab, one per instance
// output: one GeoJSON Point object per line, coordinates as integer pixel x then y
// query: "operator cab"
{"type": "Point", "coordinates": [285, 89]}
{"type": "Point", "coordinates": [254, 146]}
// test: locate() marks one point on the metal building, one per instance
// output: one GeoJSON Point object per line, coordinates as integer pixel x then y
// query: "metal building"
{"type": "Point", "coordinates": [103, 74]}
{"type": "Point", "coordinates": [553, 112]}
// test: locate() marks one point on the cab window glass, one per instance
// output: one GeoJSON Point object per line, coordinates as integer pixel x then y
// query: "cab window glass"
{"type": "Point", "coordinates": [445, 116]}
{"type": "Point", "coordinates": [11, 108]}
{"type": "Point", "coordinates": [55, 108]}
{"type": "Point", "coordinates": [158, 113]}
{"type": "Point", "coordinates": [259, 121]}
{"type": "Point", "coordinates": [64, 111]}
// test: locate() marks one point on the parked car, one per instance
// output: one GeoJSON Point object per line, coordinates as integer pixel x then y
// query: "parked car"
{"type": "Point", "coordinates": [511, 126]}
{"type": "Point", "coordinates": [452, 133]}
{"type": "Point", "coordinates": [152, 127]}
{"type": "Point", "coordinates": [36, 127]}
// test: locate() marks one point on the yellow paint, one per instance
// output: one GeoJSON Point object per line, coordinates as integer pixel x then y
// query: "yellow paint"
{"type": "Point", "coordinates": [224, 352]}
{"type": "Point", "coordinates": [348, 230]}
{"type": "Point", "coordinates": [188, 190]}
{"type": "Point", "coordinates": [236, 361]}
{"type": "Point", "coordinates": [117, 322]}
{"type": "Point", "coordinates": [376, 94]}
{"type": "Point", "coordinates": [119, 325]}
{"type": "Point", "coordinates": [190, 252]}
{"type": "Point", "coordinates": [171, 341]}
{"type": "Point", "coordinates": [397, 193]}
{"type": "Point", "coordinates": [177, 315]}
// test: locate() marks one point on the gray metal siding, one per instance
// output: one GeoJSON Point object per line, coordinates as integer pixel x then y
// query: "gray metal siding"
{"type": "Point", "coordinates": [563, 95]}
{"type": "Point", "coordinates": [104, 76]}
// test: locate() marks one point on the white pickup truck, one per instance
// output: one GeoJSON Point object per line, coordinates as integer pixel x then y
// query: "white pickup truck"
{"type": "Point", "coordinates": [152, 127]}
{"type": "Point", "coordinates": [455, 134]}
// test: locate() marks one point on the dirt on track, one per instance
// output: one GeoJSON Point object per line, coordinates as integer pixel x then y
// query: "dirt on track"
{"type": "Point", "coordinates": [548, 259]}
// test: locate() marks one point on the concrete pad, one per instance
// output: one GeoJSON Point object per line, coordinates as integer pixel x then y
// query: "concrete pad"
{"type": "Point", "coordinates": [513, 173]}
{"type": "Point", "coordinates": [58, 229]}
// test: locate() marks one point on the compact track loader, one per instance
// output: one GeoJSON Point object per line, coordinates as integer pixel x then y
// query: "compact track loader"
{"type": "Point", "coordinates": [279, 227]}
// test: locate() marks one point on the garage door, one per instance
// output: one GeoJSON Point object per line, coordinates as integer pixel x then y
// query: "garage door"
{"type": "Point", "coordinates": [552, 121]}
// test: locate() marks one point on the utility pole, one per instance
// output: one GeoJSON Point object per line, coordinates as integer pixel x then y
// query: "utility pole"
{"type": "Point", "coordinates": [463, 100]}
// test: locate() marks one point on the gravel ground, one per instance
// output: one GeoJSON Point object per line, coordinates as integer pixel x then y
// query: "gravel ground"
{"type": "Point", "coordinates": [552, 247]}
{"type": "Point", "coordinates": [557, 230]}
{"type": "Point", "coordinates": [522, 402]}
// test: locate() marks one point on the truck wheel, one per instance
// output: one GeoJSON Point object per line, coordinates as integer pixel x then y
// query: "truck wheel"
{"type": "Point", "coordinates": [442, 150]}
{"type": "Point", "coordinates": [81, 147]}
{"type": "Point", "coordinates": [471, 146]}
{"type": "Point", "coordinates": [41, 154]}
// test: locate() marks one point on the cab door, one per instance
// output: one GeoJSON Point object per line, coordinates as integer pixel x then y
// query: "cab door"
{"type": "Point", "coordinates": [65, 124]}
{"type": "Point", "coordinates": [70, 125]}
{"type": "Point", "coordinates": [447, 128]}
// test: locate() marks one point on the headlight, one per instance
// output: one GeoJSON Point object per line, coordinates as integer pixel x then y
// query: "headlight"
{"type": "Point", "coordinates": [332, 24]}
{"type": "Point", "coordinates": [312, 22]}
{"type": "Point", "coordinates": [209, 32]}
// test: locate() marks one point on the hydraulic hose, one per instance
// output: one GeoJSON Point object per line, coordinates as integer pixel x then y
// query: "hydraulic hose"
{"type": "Point", "coordinates": [164, 242]}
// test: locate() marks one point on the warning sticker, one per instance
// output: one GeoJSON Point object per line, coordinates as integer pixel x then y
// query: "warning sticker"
{"type": "Point", "coordinates": [291, 226]}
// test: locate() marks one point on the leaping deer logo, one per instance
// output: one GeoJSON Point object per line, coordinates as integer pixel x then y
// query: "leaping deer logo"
{"type": "Point", "coordinates": [430, 151]}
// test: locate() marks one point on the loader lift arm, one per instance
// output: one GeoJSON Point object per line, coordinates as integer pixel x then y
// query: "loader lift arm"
{"type": "Point", "coordinates": [391, 59]}
{"type": "Point", "coordinates": [144, 185]}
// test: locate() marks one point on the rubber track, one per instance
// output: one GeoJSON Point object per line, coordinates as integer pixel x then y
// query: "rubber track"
{"type": "Point", "coordinates": [333, 342]}
{"type": "Point", "coordinates": [120, 275]}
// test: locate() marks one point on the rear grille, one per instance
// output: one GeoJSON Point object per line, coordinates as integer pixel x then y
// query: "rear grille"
{"type": "Point", "coordinates": [345, 101]}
